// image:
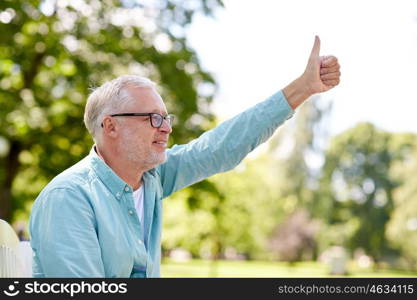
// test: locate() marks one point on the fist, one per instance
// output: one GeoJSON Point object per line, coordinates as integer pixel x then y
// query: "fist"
{"type": "Point", "coordinates": [322, 72]}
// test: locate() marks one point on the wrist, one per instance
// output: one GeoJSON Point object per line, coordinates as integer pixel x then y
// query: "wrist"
{"type": "Point", "coordinates": [296, 92]}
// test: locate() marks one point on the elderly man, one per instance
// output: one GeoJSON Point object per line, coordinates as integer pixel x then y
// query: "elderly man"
{"type": "Point", "coordinates": [102, 217]}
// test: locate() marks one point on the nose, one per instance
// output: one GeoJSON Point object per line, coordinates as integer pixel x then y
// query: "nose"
{"type": "Point", "coordinates": [165, 127]}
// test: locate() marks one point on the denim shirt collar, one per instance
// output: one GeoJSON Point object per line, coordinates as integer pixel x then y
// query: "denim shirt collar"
{"type": "Point", "coordinates": [111, 180]}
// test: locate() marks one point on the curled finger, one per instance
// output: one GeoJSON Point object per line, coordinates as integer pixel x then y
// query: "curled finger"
{"type": "Point", "coordinates": [331, 82]}
{"type": "Point", "coordinates": [329, 69]}
{"type": "Point", "coordinates": [330, 76]}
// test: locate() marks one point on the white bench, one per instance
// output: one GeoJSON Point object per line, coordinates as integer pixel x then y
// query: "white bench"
{"type": "Point", "coordinates": [15, 255]}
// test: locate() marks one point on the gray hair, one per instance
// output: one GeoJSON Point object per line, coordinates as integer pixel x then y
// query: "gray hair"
{"type": "Point", "coordinates": [107, 98]}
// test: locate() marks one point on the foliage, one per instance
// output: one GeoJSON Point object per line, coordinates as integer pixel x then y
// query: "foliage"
{"type": "Point", "coordinates": [402, 227]}
{"type": "Point", "coordinates": [357, 186]}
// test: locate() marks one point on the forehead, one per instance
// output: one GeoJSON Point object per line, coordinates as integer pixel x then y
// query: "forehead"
{"type": "Point", "coordinates": [146, 99]}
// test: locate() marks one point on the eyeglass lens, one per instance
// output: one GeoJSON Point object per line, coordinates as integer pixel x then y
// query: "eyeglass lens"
{"type": "Point", "coordinates": [157, 120]}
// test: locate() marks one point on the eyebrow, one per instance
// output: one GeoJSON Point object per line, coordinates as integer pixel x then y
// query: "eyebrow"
{"type": "Point", "coordinates": [163, 113]}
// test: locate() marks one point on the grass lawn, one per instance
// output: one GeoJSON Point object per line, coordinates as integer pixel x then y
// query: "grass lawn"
{"type": "Point", "coordinates": [204, 268]}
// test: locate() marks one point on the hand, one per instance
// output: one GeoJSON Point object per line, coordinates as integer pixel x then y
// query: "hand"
{"type": "Point", "coordinates": [321, 74]}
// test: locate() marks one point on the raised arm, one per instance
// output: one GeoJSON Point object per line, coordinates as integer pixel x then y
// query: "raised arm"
{"type": "Point", "coordinates": [222, 148]}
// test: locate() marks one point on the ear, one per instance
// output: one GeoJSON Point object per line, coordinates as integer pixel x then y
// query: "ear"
{"type": "Point", "coordinates": [110, 127]}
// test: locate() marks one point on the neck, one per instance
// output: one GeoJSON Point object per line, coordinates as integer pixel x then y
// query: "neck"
{"type": "Point", "coordinates": [126, 170]}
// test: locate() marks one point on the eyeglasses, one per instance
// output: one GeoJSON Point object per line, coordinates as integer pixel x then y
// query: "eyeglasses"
{"type": "Point", "coordinates": [155, 118]}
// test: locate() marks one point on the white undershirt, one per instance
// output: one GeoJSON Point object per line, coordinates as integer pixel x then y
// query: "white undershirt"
{"type": "Point", "coordinates": [138, 200]}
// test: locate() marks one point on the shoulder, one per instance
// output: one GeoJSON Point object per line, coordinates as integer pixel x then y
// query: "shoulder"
{"type": "Point", "coordinates": [79, 174]}
{"type": "Point", "coordinates": [74, 180]}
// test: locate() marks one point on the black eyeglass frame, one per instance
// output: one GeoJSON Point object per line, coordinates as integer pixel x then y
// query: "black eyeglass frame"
{"type": "Point", "coordinates": [169, 118]}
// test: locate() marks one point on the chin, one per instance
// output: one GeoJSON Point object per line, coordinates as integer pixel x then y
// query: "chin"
{"type": "Point", "coordinates": [156, 160]}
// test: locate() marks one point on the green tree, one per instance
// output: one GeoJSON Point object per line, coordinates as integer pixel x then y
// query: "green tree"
{"type": "Point", "coordinates": [52, 52]}
{"type": "Point", "coordinates": [402, 227]}
{"type": "Point", "coordinates": [357, 187]}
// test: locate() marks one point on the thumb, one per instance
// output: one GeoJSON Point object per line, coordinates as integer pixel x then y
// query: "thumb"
{"type": "Point", "coordinates": [315, 52]}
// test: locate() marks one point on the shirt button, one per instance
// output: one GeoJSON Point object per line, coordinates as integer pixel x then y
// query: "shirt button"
{"type": "Point", "coordinates": [118, 195]}
{"type": "Point", "coordinates": [126, 189]}
{"type": "Point", "coordinates": [130, 211]}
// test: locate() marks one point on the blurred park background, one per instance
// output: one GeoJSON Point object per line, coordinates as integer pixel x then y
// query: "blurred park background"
{"type": "Point", "coordinates": [320, 198]}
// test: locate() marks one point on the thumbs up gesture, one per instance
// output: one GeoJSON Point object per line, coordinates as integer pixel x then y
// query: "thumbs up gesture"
{"type": "Point", "coordinates": [321, 74]}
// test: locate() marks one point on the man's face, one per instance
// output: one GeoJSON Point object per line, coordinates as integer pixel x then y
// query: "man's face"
{"type": "Point", "coordinates": [141, 143]}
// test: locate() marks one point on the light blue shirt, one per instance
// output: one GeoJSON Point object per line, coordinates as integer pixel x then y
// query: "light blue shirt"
{"type": "Point", "coordinates": [84, 222]}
